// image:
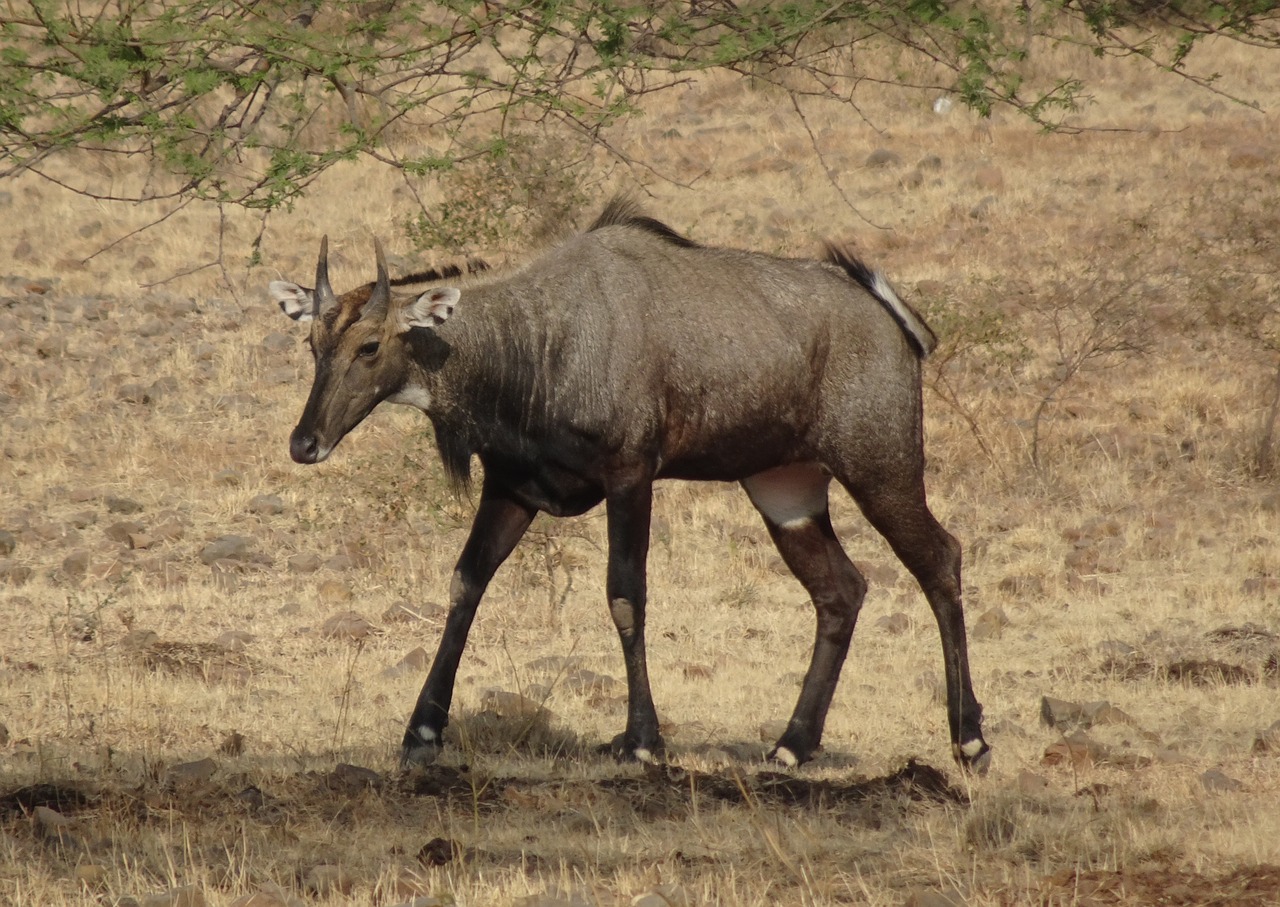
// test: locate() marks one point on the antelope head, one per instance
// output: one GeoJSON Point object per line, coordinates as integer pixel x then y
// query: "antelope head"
{"type": "Point", "coordinates": [360, 345]}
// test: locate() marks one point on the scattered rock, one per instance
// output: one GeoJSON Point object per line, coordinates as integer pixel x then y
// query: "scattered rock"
{"type": "Point", "coordinates": [771, 731]}
{"type": "Point", "coordinates": [934, 897]}
{"type": "Point", "coordinates": [883, 157]}
{"type": "Point", "coordinates": [439, 852]}
{"type": "Point", "coordinates": [352, 778]}
{"type": "Point", "coordinates": [690, 670]}
{"type": "Point", "coordinates": [268, 896]}
{"type": "Point", "coordinates": [14, 574]}
{"type": "Point", "coordinates": [1028, 782]}
{"type": "Point", "coordinates": [334, 591]}
{"type": "Point", "coordinates": [306, 562]}
{"type": "Point", "coordinates": [134, 393]}
{"type": "Point", "coordinates": [191, 772]}
{"type": "Point", "coordinates": [8, 542]}
{"type": "Point", "coordinates": [54, 827]}
{"type": "Point", "coordinates": [556, 897]}
{"type": "Point", "coordinates": [1059, 713]}
{"type": "Point", "coordinates": [90, 875]}
{"type": "Point", "coordinates": [234, 640]}
{"type": "Point", "coordinates": [512, 705]}
{"type": "Point", "coordinates": [990, 179]}
{"type": "Point", "coordinates": [232, 744]}
{"type": "Point", "coordinates": [1251, 157]}
{"type": "Point", "coordinates": [346, 625]}
{"type": "Point", "coordinates": [990, 624]}
{"type": "Point", "coordinates": [663, 896]}
{"type": "Point", "coordinates": [415, 662]}
{"type": "Point", "coordinates": [895, 624]}
{"type": "Point", "coordinates": [267, 505]}
{"type": "Point", "coordinates": [327, 880]}
{"type": "Point", "coordinates": [186, 896]}
{"type": "Point", "coordinates": [226, 548]}
{"type": "Point", "coordinates": [121, 531]}
{"type": "Point", "coordinates": [1218, 781]}
{"type": "Point", "coordinates": [1268, 741]}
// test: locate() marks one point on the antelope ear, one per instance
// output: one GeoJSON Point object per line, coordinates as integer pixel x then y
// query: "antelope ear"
{"type": "Point", "coordinates": [430, 310]}
{"type": "Point", "coordinates": [295, 301]}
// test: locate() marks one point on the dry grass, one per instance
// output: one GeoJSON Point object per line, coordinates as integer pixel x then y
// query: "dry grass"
{"type": "Point", "coordinates": [1141, 534]}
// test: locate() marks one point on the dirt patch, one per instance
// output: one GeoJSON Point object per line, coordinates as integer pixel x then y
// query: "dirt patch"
{"type": "Point", "coordinates": [1243, 887]}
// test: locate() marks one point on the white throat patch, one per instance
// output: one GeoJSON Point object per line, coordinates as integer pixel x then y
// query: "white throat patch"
{"type": "Point", "coordinates": [416, 397]}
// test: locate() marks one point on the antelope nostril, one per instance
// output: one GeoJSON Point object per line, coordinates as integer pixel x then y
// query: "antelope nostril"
{"type": "Point", "coordinates": [303, 448]}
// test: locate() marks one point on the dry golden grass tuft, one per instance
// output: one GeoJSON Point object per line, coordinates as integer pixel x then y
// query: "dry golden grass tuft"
{"type": "Point", "coordinates": [1139, 564]}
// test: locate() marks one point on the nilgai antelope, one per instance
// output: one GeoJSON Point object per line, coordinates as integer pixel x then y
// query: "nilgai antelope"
{"type": "Point", "coordinates": [631, 354]}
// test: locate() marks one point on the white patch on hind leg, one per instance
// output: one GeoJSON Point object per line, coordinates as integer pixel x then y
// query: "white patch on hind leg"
{"type": "Point", "coordinates": [789, 496]}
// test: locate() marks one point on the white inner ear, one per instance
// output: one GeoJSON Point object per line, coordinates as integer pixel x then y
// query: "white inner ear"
{"type": "Point", "coordinates": [294, 301]}
{"type": "Point", "coordinates": [430, 310]}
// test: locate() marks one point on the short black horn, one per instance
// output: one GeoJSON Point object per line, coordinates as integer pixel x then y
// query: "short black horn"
{"type": "Point", "coordinates": [381, 295]}
{"type": "Point", "coordinates": [324, 295]}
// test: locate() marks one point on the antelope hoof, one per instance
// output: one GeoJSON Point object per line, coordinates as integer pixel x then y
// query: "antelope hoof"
{"type": "Point", "coordinates": [625, 750]}
{"type": "Point", "coordinates": [420, 747]}
{"type": "Point", "coordinates": [791, 752]}
{"type": "Point", "coordinates": [973, 756]}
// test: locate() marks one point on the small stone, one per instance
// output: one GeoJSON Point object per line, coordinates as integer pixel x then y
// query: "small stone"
{"type": "Point", "coordinates": [123, 506]}
{"type": "Point", "coordinates": [1218, 781]}
{"type": "Point", "coordinates": [134, 393]}
{"type": "Point", "coordinates": [268, 896]}
{"type": "Point", "coordinates": [76, 564]}
{"type": "Point", "coordinates": [191, 772]}
{"type": "Point", "coordinates": [14, 574]}
{"type": "Point", "coordinates": [327, 880]}
{"type": "Point", "coordinates": [415, 662]}
{"type": "Point", "coordinates": [772, 730]}
{"type": "Point", "coordinates": [1268, 741]}
{"type": "Point", "coordinates": [883, 157]}
{"type": "Point", "coordinates": [229, 547]}
{"type": "Point", "coordinates": [186, 896]}
{"type": "Point", "coordinates": [267, 505]}
{"type": "Point", "coordinates": [1249, 158]}
{"type": "Point", "coordinates": [334, 591]}
{"type": "Point", "coordinates": [353, 777]}
{"type": "Point", "coordinates": [306, 562]}
{"type": "Point", "coordinates": [232, 744]}
{"type": "Point", "coordinates": [346, 625]}
{"type": "Point", "coordinates": [693, 671]}
{"type": "Point", "coordinates": [234, 640]}
{"type": "Point", "coordinates": [933, 897]}
{"type": "Point", "coordinates": [230, 477]}
{"type": "Point", "coordinates": [895, 624]}
{"type": "Point", "coordinates": [140, 541]}
{"type": "Point", "coordinates": [52, 824]}
{"type": "Point", "coordinates": [439, 852]}
{"type": "Point", "coordinates": [120, 532]}
{"type": "Point", "coordinates": [8, 542]}
{"type": "Point", "coordinates": [989, 178]}
{"type": "Point", "coordinates": [90, 875]}
{"type": "Point", "coordinates": [1028, 782]}
{"type": "Point", "coordinates": [990, 624]}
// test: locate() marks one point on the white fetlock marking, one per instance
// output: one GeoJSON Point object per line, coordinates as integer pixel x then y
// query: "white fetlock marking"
{"type": "Point", "coordinates": [786, 757]}
{"type": "Point", "coordinates": [972, 748]}
{"type": "Point", "coordinates": [643, 754]}
{"type": "Point", "coordinates": [426, 735]}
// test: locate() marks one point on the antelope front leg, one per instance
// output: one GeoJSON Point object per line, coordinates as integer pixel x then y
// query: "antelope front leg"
{"type": "Point", "coordinates": [499, 524]}
{"type": "Point", "coordinates": [628, 520]}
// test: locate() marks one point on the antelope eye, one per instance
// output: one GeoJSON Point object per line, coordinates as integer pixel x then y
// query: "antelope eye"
{"type": "Point", "coordinates": [368, 349]}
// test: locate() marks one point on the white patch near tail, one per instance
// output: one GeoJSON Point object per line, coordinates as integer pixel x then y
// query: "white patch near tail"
{"type": "Point", "coordinates": [906, 316]}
